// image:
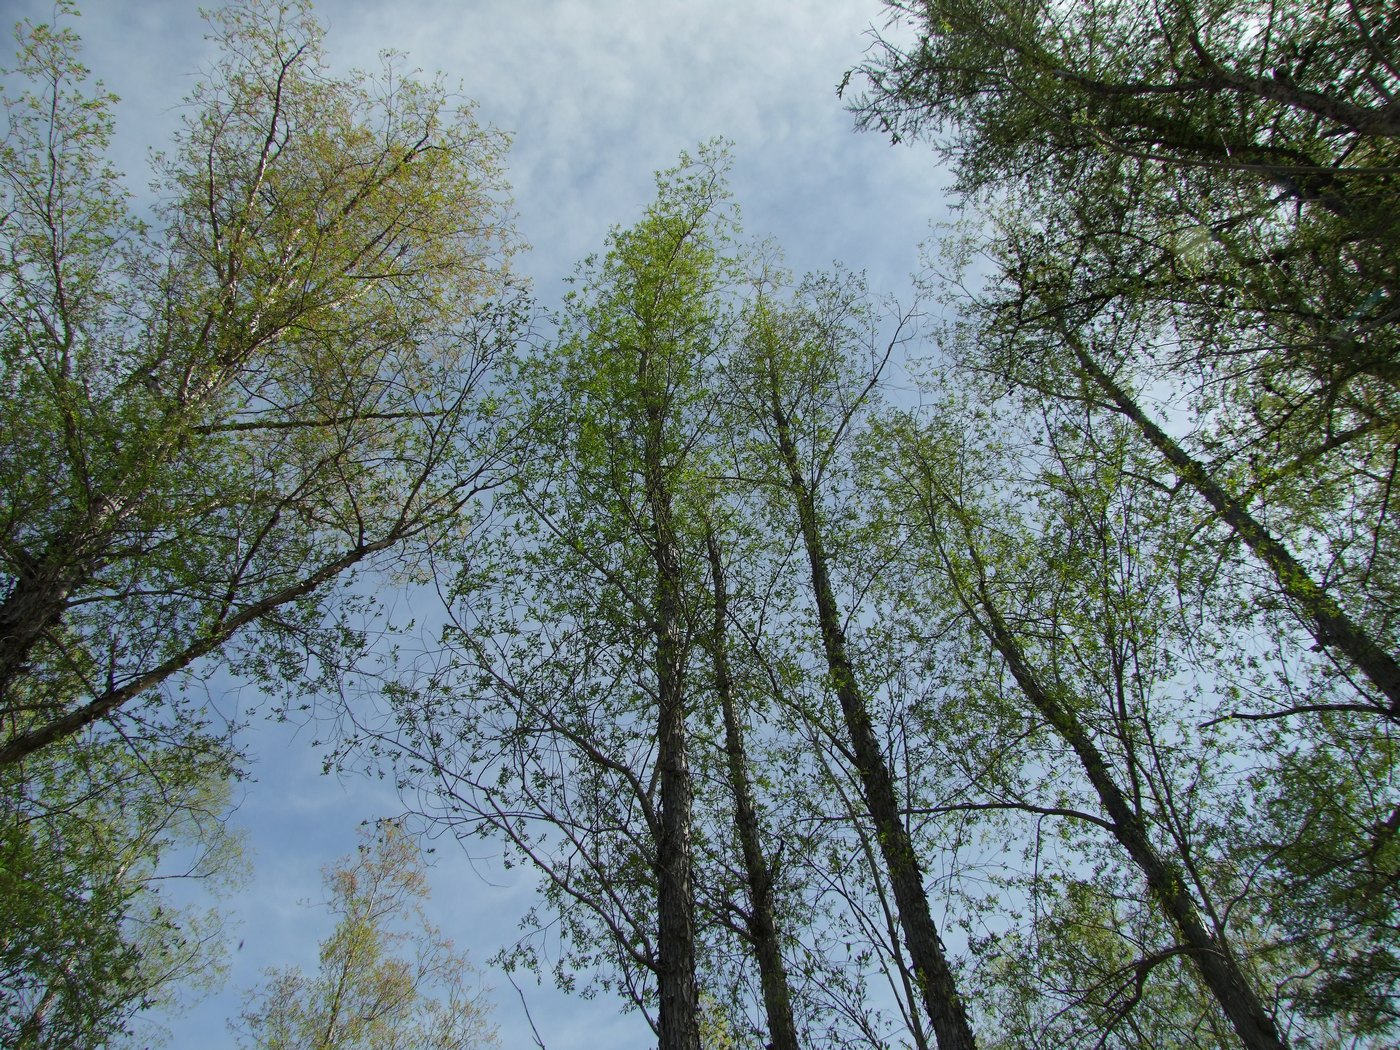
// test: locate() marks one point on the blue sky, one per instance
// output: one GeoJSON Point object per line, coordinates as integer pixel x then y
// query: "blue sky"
{"type": "Point", "coordinates": [597, 95]}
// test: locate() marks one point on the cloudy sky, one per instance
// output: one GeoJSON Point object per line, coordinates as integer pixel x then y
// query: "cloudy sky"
{"type": "Point", "coordinates": [597, 95]}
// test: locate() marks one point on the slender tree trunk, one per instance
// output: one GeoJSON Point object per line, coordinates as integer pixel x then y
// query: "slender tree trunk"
{"type": "Point", "coordinates": [1209, 951]}
{"type": "Point", "coordinates": [1328, 623]}
{"type": "Point", "coordinates": [679, 1021]}
{"type": "Point", "coordinates": [937, 985]}
{"type": "Point", "coordinates": [758, 875]}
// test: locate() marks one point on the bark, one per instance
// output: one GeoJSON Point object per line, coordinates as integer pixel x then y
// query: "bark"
{"type": "Point", "coordinates": [758, 874]}
{"type": "Point", "coordinates": [73, 553]}
{"type": "Point", "coordinates": [1328, 623]}
{"type": "Point", "coordinates": [679, 1027]}
{"type": "Point", "coordinates": [937, 985]}
{"type": "Point", "coordinates": [33, 607]}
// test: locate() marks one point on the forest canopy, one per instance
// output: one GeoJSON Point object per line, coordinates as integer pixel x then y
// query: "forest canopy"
{"type": "Point", "coordinates": [1009, 663]}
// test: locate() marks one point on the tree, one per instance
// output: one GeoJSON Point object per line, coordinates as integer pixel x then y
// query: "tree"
{"type": "Point", "coordinates": [1196, 194]}
{"type": "Point", "coordinates": [1246, 105]}
{"type": "Point", "coordinates": [209, 425]}
{"type": "Point", "coordinates": [89, 835]}
{"type": "Point", "coordinates": [1312, 75]}
{"type": "Point", "coordinates": [760, 923]}
{"type": "Point", "coordinates": [562, 719]}
{"type": "Point", "coordinates": [1189, 233]}
{"type": "Point", "coordinates": [1116, 650]}
{"type": "Point", "coordinates": [369, 994]}
{"type": "Point", "coordinates": [800, 383]}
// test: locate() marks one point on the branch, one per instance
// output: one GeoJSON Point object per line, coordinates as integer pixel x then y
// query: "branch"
{"type": "Point", "coordinates": [1289, 712]}
{"type": "Point", "coordinates": [309, 424]}
{"type": "Point", "coordinates": [18, 747]}
{"type": "Point", "coordinates": [1024, 807]}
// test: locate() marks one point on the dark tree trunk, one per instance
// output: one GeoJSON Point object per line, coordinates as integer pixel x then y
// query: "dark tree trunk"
{"type": "Point", "coordinates": [1328, 623]}
{"type": "Point", "coordinates": [1208, 951]}
{"type": "Point", "coordinates": [679, 1020]}
{"type": "Point", "coordinates": [937, 986]}
{"type": "Point", "coordinates": [33, 607]}
{"type": "Point", "coordinates": [758, 875]}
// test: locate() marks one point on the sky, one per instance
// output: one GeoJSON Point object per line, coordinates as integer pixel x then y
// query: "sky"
{"type": "Point", "coordinates": [597, 95]}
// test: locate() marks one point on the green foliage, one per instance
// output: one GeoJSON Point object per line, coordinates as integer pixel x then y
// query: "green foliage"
{"type": "Point", "coordinates": [209, 422]}
{"type": "Point", "coordinates": [1189, 268]}
{"type": "Point", "coordinates": [89, 834]}
{"type": "Point", "coordinates": [570, 636]}
{"type": "Point", "coordinates": [387, 980]}
{"type": "Point", "coordinates": [1326, 847]}
{"type": "Point", "coordinates": [1201, 192]}
{"type": "Point", "coordinates": [1089, 970]}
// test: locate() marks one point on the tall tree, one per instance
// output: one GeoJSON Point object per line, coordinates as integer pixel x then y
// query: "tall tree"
{"type": "Point", "coordinates": [1197, 195]}
{"type": "Point", "coordinates": [761, 923]}
{"type": "Point", "coordinates": [210, 419]}
{"type": "Point", "coordinates": [209, 422]}
{"type": "Point", "coordinates": [568, 731]}
{"type": "Point", "coordinates": [804, 387]}
{"type": "Point", "coordinates": [1101, 630]}
{"type": "Point", "coordinates": [768, 733]}
{"type": "Point", "coordinates": [1191, 233]}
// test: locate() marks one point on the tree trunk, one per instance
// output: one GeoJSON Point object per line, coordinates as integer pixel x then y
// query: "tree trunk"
{"type": "Point", "coordinates": [1328, 623]}
{"type": "Point", "coordinates": [1209, 951]}
{"type": "Point", "coordinates": [33, 607]}
{"type": "Point", "coordinates": [679, 1020]}
{"type": "Point", "coordinates": [761, 921]}
{"type": "Point", "coordinates": [937, 985]}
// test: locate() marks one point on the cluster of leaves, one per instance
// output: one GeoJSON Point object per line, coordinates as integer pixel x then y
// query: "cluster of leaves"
{"type": "Point", "coordinates": [87, 836]}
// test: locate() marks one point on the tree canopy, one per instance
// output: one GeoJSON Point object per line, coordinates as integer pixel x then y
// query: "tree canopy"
{"type": "Point", "coordinates": [388, 979]}
{"type": "Point", "coordinates": [212, 420]}
{"type": "Point", "coordinates": [216, 409]}
{"type": "Point", "coordinates": [1016, 666]}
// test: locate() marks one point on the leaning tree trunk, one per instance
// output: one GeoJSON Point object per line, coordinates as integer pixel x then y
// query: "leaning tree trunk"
{"type": "Point", "coordinates": [1208, 951]}
{"type": "Point", "coordinates": [937, 985]}
{"type": "Point", "coordinates": [1327, 621]}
